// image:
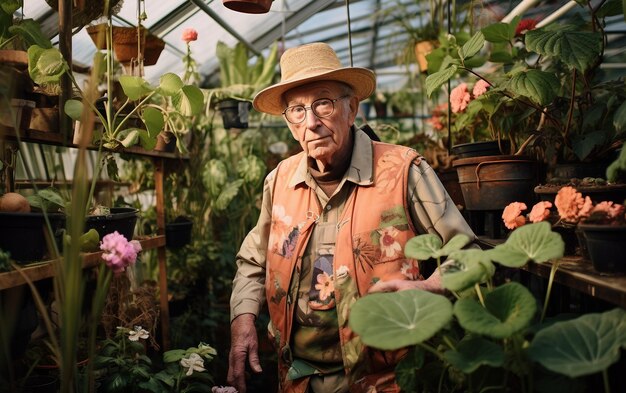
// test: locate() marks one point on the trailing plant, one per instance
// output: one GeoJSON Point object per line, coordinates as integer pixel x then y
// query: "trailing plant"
{"type": "Point", "coordinates": [489, 337]}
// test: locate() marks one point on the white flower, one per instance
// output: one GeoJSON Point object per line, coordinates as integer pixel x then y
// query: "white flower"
{"type": "Point", "coordinates": [137, 333]}
{"type": "Point", "coordinates": [342, 271]}
{"type": "Point", "coordinates": [194, 363]}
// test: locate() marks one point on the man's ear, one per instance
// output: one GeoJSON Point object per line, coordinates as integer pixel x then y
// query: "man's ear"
{"type": "Point", "coordinates": [354, 108]}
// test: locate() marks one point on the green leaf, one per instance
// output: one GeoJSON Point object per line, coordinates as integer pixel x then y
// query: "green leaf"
{"type": "Point", "coordinates": [473, 46]}
{"type": "Point", "coordinates": [474, 352]}
{"type": "Point", "coordinates": [214, 177]}
{"type": "Point", "coordinates": [466, 268]}
{"type": "Point", "coordinates": [153, 119]}
{"type": "Point", "coordinates": [134, 87]}
{"type": "Point", "coordinates": [189, 100]}
{"type": "Point", "coordinates": [434, 81]}
{"type": "Point", "coordinates": [456, 243]}
{"type": "Point", "coordinates": [90, 241]}
{"type": "Point", "coordinates": [406, 370]}
{"type": "Point", "coordinates": [170, 84]}
{"type": "Point", "coordinates": [129, 136]}
{"type": "Point", "coordinates": [30, 32]}
{"type": "Point", "coordinates": [394, 320]}
{"type": "Point", "coordinates": [10, 6]}
{"type": "Point", "coordinates": [146, 139]}
{"type": "Point", "coordinates": [498, 32]}
{"type": "Point", "coordinates": [74, 109]}
{"type": "Point", "coordinates": [585, 145]}
{"type": "Point", "coordinates": [228, 193]}
{"type": "Point", "coordinates": [45, 65]}
{"type": "Point", "coordinates": [422, 247]}
{"type": "Point", "coordinates": [583, 346]}
{"type": "Point", "coordinates": [535, 242]}
{"type": "Point", "coordinates": [251, 169]}
{"type": "Point", "coordinates": [508, 309]}
{"type": "Point", "coordinates": [541, 87]}
{"type": "Point", "coordinates": [619, 119]}
{"type": "Point", "coordinates": [577, 49]}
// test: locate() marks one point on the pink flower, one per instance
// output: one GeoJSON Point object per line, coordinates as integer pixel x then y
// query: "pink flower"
{"type": "Point", "coordinates": [190, 34]}
{"type": "Point", "coordinates": [325, 285]}
{"type": "Point", "coordinates": [540, 211]}
{"type": "Point", "coordinates": [612, 210]}
{"type": "Point", "coordinates": [119, 253]}
{"type": "Point", "coordinates": [480, 88]}
{"type": "Point", "coordinates": [571, 205]}
{"type": "Point", "coordinates": [459, 98]}
{"type": "Point", "coordinates": [223, 389]}
{"type": "Point", "coordinates": [512, 215]}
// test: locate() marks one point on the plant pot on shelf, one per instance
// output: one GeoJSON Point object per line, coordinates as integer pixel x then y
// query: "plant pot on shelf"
{"type": "Point", "coordinates": [478, 149]}
{"type": "Point", "coordinates": [44, 119]}
{"type": "Point", "coordinates": [120, 219]}
{"type": "Point", "coordinates": [234, 113]}
{"type": "Point", "coordinates": [17, 115]}
{"type": "Point", "coordinates": [615, 193]}
{"type": "Point", "coordinates": [249, 6]}
{"type": "Point", "coordinates": [166, 142]}
{"type": "Point", "coordinates": [606, 246]}
{"type": "Point", "coordinates": [492, 182]}
{"type": "Point", "coordinates": [25, 235]}
{"type": "Point", "coordinates": [178, 232]}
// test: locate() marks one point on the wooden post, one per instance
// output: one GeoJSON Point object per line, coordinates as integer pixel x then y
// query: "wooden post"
{"type": "Point", "coordinates": [160, 216]}
{"type": "Point", "coordinates": [65, 46]}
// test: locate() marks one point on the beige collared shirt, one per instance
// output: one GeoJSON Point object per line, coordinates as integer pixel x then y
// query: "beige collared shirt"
{"type": "Point", "coordinates": [430, 208]}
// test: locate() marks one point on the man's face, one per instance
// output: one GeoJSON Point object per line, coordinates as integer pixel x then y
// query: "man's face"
{"type": "Point", "coordinates": [322, 138]}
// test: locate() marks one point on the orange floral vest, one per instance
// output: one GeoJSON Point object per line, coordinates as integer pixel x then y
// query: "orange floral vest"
{"type": "Point", "coordinates": [372, 232]}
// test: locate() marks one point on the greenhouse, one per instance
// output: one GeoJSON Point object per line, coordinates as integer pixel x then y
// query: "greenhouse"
{"type": "Point", "coordinates": [312, 196]}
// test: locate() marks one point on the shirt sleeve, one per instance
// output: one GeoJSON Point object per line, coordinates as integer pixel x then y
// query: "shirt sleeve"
{"type": "Point", "coordinates": [248, 294]}
{"type": "Point", "coordinates": [431, 208]}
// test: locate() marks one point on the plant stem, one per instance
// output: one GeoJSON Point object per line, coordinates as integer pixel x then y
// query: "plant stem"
{"type": "Point", "coordinates": [555, 265]}
{"type": "Point", "coordinates": [431, 349]}
{"type": "Point", "coordinates": [605, 379]}
{"type": "Point", "coordinates": [480, 294]}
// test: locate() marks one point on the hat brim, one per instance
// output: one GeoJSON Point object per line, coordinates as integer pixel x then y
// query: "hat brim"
{"type": "Point", "coordinates": [362, 81]}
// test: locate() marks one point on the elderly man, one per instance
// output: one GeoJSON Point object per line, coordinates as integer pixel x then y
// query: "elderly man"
{"type": "Point", "coordinates": [333, 224]}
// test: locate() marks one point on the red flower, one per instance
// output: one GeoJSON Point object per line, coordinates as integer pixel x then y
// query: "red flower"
{"type": "Point", "coordinates": [525, 25]}
{"type": "Point", "coordinates": [189, 35]}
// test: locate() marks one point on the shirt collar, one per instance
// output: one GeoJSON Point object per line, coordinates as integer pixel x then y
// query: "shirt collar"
{"type": "Point", "coordinates": [360, 170]}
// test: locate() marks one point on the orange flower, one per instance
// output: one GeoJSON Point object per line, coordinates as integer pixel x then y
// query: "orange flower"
{"type": "Point", "coordinates": [480, 88]}
{"type": "Point", "coordinates": [571, 205]}
{"type": "Point", "coordinates": [540, 211]}
{"type": "Point", "coordinates": [189, 35]}
{"type": "Point", "coordinates": [512, 215]}
{"type": "Point", "coordinates": [612, 210]}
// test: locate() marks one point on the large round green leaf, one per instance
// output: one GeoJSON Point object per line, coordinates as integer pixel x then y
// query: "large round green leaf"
{"type": "Point", "coordinates": [134, 87]}
{"type": "Point", "coordinates": [395, 320]}
{"type": "Point", "coordinates": [534, 242]}
{"type": "Point", "coordinates": [189, 100]}
{"type": "Point", "coordinates": [45, 65]}
{"type": "Point", "coordinates": [508, 309]}
{"type": "Point", "coordinates": [585, 345]}
{"type": "Point", "coordinates": [422, 247]}
{"type": "Point", "coordinates": [251, 169]}
{"type": "Point", "coordinates": [474, 352]}
{"type": "Point", "coordinates": [74, 109]}
{"type": "Point", "coordinates": [456, 243]}
{"type": "Point", "coordinates": [466, 268]}
{"type": "Point", "coordinates": [227, 194]}
{"type": "Point", "coordinates": [214, 177]}
{"type": "Point", "coordinates": [153, 119]}
{"type": "Point", "coordinates": [170, 84]}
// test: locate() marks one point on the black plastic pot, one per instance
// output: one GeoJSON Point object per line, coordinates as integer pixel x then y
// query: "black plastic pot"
{"type": "Point", "coordinates": [234, 113]}
{"type": "Point", "coordinates": [477, 149]}
{"type": "Point", "coordinates": [120, 219]}
{"type": "Point", "coordinates": [178, 232]}
{"type": "Point", "coordinates": [24, 234]}
{"type": "Point", "coordinates": [40, 384]}
{"type": "Point", "coordinates": [606, 245]}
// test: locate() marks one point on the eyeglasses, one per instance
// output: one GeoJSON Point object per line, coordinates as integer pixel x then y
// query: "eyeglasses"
{"type": "Point", "coordinates": [321, 108]}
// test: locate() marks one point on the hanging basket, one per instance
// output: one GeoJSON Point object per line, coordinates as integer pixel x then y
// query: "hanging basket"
{"type": "Point", "coordinates": [92, 10]}
{"type": "Point", "coordinates": [249, 6]}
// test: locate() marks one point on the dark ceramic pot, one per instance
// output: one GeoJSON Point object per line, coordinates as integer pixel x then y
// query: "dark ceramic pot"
{"type": "Point", "coordinates": [178, 232]}
{"type": "Point", "coordinates": [24, 234]}
{"type": "Point", "coordinates": [234, 113]}
{"type": "Point", "coordinates": [120, 219]}
{"type": "Point", "coordinates": [606, 245]}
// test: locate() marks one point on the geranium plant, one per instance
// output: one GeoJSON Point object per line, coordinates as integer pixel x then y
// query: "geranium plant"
{"type": "Point", "coordinates": [542, 90]}
{"type": "Point", "coordinates": [490, 337]}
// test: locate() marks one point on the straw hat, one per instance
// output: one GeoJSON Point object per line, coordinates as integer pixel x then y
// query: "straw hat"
{"type": "Point", "coordinates": [309, 63]}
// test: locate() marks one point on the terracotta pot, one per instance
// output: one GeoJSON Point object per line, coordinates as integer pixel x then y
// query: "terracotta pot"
{"type": "Point", "coordinates": [15, 58]}
{"type": "Point", "coordinates": [44, 119]}
{"type": "Point", "coordinates": [166, 144]}
{"type": "Point", "coordinates": [153, 48]}
{"type": "Point", "coordinates": [422, 49]}
{"type": "Point", "coordinates": [492, 182]}
{"type": "Point", "coordinates": [124, 41]}
{"type": "Point", "coordinates": [249, 6]}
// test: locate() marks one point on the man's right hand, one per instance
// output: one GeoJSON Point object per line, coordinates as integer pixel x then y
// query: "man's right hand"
{"type": "Point", "coordinates": [243, 344]}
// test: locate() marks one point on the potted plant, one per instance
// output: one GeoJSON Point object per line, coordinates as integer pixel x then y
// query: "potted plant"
{"type": "Point", "coordinates": [490, 336]}
{"type": "Point", "coordinates": [240, 82]}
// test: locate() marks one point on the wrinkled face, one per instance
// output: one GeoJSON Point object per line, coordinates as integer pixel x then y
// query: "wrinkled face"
{"type": "Point", "coordinates": [322, 137]}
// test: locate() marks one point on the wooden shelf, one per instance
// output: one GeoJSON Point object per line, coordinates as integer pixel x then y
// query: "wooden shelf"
{"type": "Point", "coordinates": [46, 269]}
{"type": "Point", "coordinates": [577, 273]}
{"type": "Point", "coordinates": [53, 138]}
